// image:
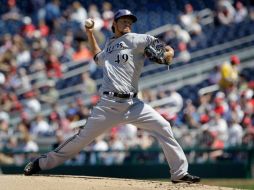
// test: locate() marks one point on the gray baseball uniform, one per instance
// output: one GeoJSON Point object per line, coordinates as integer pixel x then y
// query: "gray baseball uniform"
{"type": "Point", "coordinates": [122, 60]}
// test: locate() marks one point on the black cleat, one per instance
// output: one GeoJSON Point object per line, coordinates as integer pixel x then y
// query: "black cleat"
{"type": "Point", "coordinates": [32, 167]}
{"type": "Point", "coordinates": [187, 179]}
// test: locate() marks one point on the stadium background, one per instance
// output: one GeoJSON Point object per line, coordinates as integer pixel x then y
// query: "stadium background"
{"type": "Point", "coordinates": [49, 82]}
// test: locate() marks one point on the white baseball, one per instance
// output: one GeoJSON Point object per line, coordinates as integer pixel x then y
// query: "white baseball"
{"type": "Point", "coordinates": [89, 23]}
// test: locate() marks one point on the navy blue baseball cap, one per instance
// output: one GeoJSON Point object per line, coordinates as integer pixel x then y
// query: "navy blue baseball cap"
{"type": "Point", "coordinates": [125, 12]}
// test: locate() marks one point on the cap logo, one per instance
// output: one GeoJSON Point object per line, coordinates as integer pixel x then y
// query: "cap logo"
{"type": "Point", "coordinates": [127, 12]}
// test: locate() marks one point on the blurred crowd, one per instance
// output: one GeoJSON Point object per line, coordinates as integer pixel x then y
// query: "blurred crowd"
{"type": "Point", "coordinates": [35, 57]}
{"type": "Point", "coordinates": [193, 26]}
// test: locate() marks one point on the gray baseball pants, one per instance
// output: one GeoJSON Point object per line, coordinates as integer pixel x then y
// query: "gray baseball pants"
{"type": "Point", "coordinates": [111, 111]}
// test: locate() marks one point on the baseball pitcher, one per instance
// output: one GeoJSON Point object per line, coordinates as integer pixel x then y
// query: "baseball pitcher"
{"type": "Point", "coordinates": [122, 60]}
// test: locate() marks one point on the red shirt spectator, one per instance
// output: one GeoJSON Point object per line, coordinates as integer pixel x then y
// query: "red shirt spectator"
{"type": "Point", "coordinates": [43, 28]}
{"type": "Point", "coordinates": [82, 53]}
{"type": "Point", "coordinates": [53, 67]}
{"type": "Point", "coordinates": [28, 29]}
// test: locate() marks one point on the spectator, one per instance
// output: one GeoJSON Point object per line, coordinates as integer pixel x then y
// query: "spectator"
{"type": "Point", "coordinates": [241, 12]}
{"type": "Point", "coordinates": [225, 12]}
{"type": "Point", "coordinates": [83, 111]}
{"type": "Point", "coordinates": [24, 80]}
{"type": "Point", "coordinates": [184, 55]}
{"type": "Point", "coordinates": [28, 28]}
{"type": "Point", "coordinates": [5, 134]}
{"type": "Point", "coordinates": [53, 66]}
{"type": "Point", "coordinates": [23, 55]}
{"type": "Point", "coordinates": [50, 94]}
{"type": "Point", "coordinates": [15, 104]}
{"type": "Point", "coordinates": [27, 144]}
{"type": "Point", "coordinates": [115, 145]}
{"type": "Point", "coordinates": [43, 28]}
{"type": "Point", "coordinates": [181, 34]}
{"type": "Point", "coordinates": [204, 104]}
{"type": "Point", "coordinates": [99, 145]}
{"type": "Point", "coordinates": [128, 133]}
{"type": "Point", "coordinates": [248, 134]}
{"type": "Point", "coordinates": [32, 104]}
{"type": "Point", "coordinates": [21, 129]}
{"type": "Point", "coordinates": [2, 78]}
{"type": "Point", "coordinates": [174, 100]}
{"type": "Point", "coordinates": [214, 76]}
{"type": "Point", "coordinates": [38, 8]}
{"type": "Point", "coordinates": [107, 15]}
{"type": "Point", "coordinates": [67, 44]}
{"type": "Point", "coordinates": [72, 112]}
{"type": "Point", "coordinates": [13, 13]}
{"type": "Point", "coordinates": [94, 13]}
{"type": "Point", "coordinates": [220, 104]}
{"type": "Point", "coordinates": [57, 47]}
{"type": "Point", "coordinates": [218, 126]}
{"type": "Point", "coordinates": [82, 52]}
{"type": "Point", "coordinates": [4, 116]}
{"type": "Point", "coordinates": [229, 73]}
{"type": "Point", "coordinates": [39, 69]}
{"type": "Point", "coordinates": [5, 131]}
{"type": "Point", "coordinates": [79, 13]}
{"type": "Point", "coordinates": [6, 43]}
{"type": "Point", "coordinates": [235, 133]}
{"type": "Point", "coordinates": [6, 159]}
{"type": "Point", "coordinates": [53, 13]}
{"type": "Point", "coordinates": [40, 127]}
{"type": "Point", "coordinates": [189, 20]}
{"type": "Point", "coordinates": [191, 116]}
{"type": "Point", "coordinates": [234, 108]}
{"type": "Point", "coordinates": [58, 120]}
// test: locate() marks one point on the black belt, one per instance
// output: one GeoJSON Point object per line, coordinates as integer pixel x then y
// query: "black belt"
{"type": "Point", "coordinates": [120, 95]}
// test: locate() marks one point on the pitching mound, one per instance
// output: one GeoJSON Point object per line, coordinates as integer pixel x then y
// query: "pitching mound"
{"type": "Point", "coordinates": [19, 182]}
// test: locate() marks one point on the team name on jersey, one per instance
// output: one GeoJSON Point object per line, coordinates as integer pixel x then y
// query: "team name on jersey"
{"type": "Point", "coordinates": [118, 46]}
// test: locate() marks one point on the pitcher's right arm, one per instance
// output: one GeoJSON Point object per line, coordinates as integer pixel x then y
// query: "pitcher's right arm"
{"type": "Point", "coordinates": [92, 41]}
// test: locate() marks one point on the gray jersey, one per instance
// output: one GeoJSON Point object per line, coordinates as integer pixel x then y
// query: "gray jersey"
{"type": "Point", "coordinates": [122, 60]}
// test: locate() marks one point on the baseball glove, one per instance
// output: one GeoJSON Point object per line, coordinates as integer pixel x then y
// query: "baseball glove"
{"type": "Point", "coordinates": [155, 52]}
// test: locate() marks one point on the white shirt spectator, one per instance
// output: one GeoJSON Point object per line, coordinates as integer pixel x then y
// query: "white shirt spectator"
{"type": "Point", "coordinates": [226, 12]}
{"type": "Point", "coordinates": [33, 105]}
{"type": "Point", "coordinates": [25, 80]}
{"type": "Point", "coordinates": [31, 146]}
{"type": "Point", "coordinates": [80, 14]}
{"type": "Point", "coordinates": [181, 34]}
{"type": "Point", "coordinates": [241, 12]}
{"type": "Point", "coordinates": [115, 157]}
{"type": "Point", "coordinates": [128, 131]}
{"type": "Point", "coordinates": [2, 78]}
{"type": "Point", "coordinates": [4, 116]}
{"type": "Point", "coordinates": [219, 125]}
{"type": "Point", "coordinates": [189, 20]}
{"type": "Point", "coordinates": [96, 16]}
{"type": "Point", "coordinates": [100, 146]}
{"type": "Point", "coordinates": [235, 134]}
{"type": "Point", "coordinates": [184, 55]}
{"type": "Point", "coordinates": [40, 126]}
{"type": "Point", "coordinates": [57, 47]}
{"type": "Point", "coordinates": [23, 57]}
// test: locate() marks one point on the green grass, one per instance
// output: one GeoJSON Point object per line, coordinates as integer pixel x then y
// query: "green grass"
{"type": "Point", "coordinates": [232, 183]}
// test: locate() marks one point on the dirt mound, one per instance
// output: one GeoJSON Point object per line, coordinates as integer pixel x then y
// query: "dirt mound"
{"type": "Point", "coordinates": [20, 182]}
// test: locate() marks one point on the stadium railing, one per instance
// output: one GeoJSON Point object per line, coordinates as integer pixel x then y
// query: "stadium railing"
{"type": "Point", "coordinates": [239, 165]}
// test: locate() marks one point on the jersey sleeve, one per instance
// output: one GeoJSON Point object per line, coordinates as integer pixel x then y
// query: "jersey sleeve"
{"type": "Point", "coordinates": [143, 40]}
{"type": "Point", "coordinates": [99, 57]}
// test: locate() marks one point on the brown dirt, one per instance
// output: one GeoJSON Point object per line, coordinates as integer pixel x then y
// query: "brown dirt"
{"type": "Point", "coordinates": [20, 182]}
